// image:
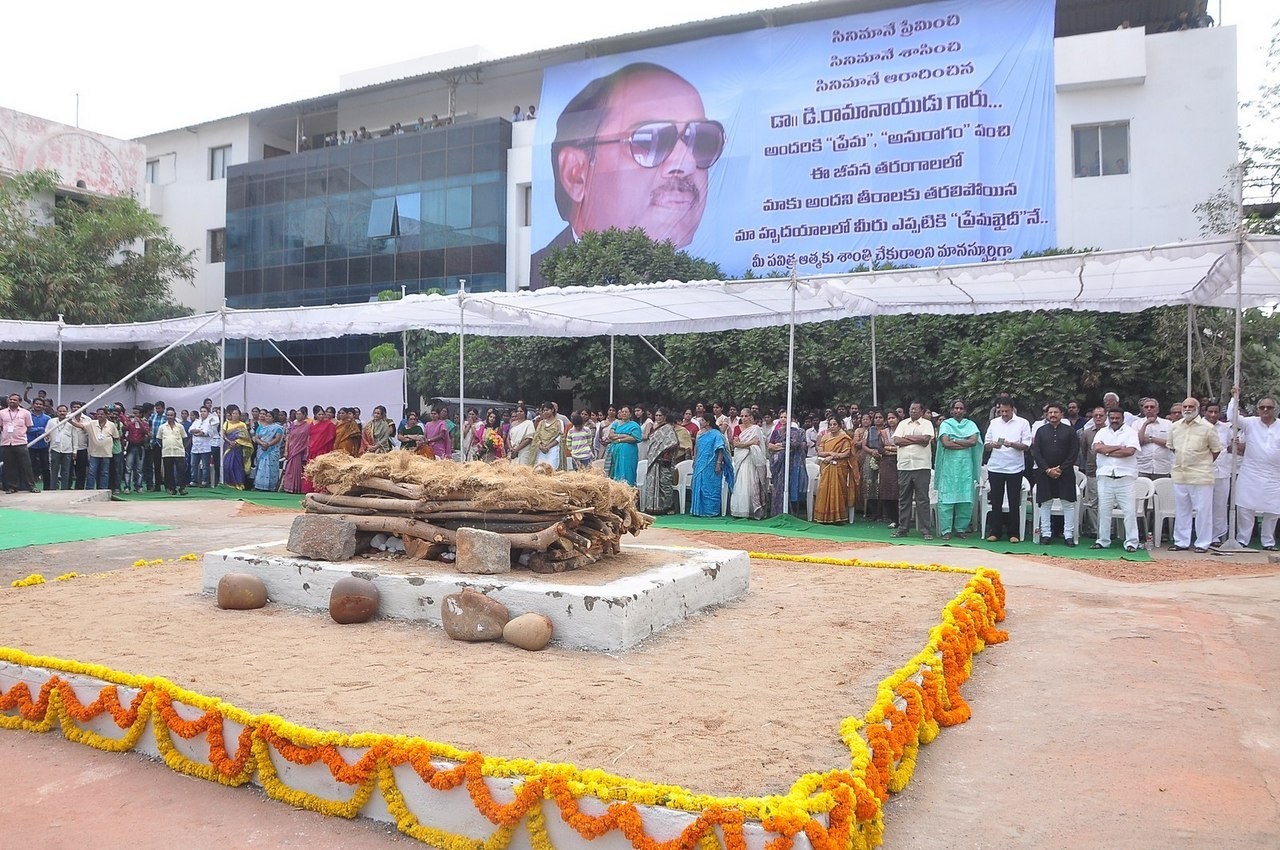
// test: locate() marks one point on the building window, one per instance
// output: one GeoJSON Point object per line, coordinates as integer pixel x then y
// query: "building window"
{"type": "Point", "coordinates": [218, 245]}
{"type": "Point", "coordinates": [397, 216]}
{"type": "Point", "coordinates": [219, 159]}
{"type": "Point", "coordinates": [153, 171]}
{"type": "Point", "coordinates": [1100, 149]}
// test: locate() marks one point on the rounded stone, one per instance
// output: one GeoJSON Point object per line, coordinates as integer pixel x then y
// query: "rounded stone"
{"type": "Point", "coordinates": [353, 600]}
{"type": "Point", "coordinates": [241, 592]}
{"type": "Point", "coordinates": [472, 616]}
{"type": "Point", "coordinates": [528, 631]}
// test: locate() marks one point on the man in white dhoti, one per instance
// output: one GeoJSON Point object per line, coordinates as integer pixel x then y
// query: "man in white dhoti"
{"type": "Point", "coordinates": [1221, 471]}
{"type": "Point", "coordinates": [1258, 484]}
{"type": "Point", "coordinates": [1195, 446]}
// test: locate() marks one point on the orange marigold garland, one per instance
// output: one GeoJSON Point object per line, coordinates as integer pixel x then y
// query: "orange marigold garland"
{"type": "Point", "coordinates": [835, 810]}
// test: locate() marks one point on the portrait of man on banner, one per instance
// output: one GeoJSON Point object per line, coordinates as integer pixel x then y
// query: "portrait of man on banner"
{"type": "Point", "coordinates": [633, 148]}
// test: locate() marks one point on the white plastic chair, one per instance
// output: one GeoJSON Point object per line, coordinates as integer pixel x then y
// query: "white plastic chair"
{"type": "Point", "coordinates": [1164, 506]}
{"type": "Point", "coordinates": [984, 495]}
{"type": "Point", "coordinates": [811, 466]}
{"type": "Point", "coordinates": [684, 482]}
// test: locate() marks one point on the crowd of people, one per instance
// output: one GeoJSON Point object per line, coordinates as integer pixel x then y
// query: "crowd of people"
{"type": "Point", "coordinates": [359, 134]}
{"type": "Point", "coordinates": [887, 465]}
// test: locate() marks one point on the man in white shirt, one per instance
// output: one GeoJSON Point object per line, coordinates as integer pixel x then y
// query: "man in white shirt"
{"type": "Point", "coordinates": [915, 460]}
{"type": "Point", "coordinates": [1259, 480]}
{"type": "Point", "coordinates": [202, 434]}
{"type": "Point", "coordinates": [1111, 402]}
{"type": "Point", "coordinates": [214, 423]}
{"type": "Point", "coordinates": [1008, 437]}
{"type": "Point", "coordinates": [101, 434]}
{"type": "Point", "coordinates": [1116, 448]}
{"type": "Point", "coordinates": [1195, 446]}
{"type": "Point", "coordinates": [1221, 472]}
{"type": "Point", "coordinates": [62, 449]}
{"type": "Point", "coordinates": [1154, 458]}
{"type": "Point", "coordinates": [173, 453]}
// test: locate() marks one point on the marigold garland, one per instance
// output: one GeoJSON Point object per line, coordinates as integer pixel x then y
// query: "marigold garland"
{"type": "Point", "coordinates": [37, 578]}
{"type": "Point", "coordinates": [910, 707]}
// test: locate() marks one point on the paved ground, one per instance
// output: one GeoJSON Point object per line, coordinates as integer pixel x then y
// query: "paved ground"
{"type": "Point", "coordinates": [1120, 715]}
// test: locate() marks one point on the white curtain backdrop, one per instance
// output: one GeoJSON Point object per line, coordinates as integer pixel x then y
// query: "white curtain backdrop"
{"type": "Point", "coordinates": [283, 391]}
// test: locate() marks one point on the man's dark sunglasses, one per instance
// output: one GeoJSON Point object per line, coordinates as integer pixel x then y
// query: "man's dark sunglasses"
{"type": "Point", "coordinates": [652, 142]}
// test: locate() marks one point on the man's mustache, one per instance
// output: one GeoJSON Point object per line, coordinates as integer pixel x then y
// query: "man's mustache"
{"type": "Point", "coordinates": [678, 183]}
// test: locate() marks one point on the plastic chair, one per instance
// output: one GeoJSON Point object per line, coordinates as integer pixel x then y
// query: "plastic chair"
{"type": "Point", "coordinates": [684, 482]}
{"type": "Point", "coordinates": [811, 466]}
{"type": "Point", "coordinates": [1164, 506]}
{"type": "Point", "coordinates": [984, 495]}
{"type": "Point", "coordinates": [642, 470]}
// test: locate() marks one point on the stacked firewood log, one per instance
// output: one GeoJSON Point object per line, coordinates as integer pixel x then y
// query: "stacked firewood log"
{"type": "Point", "coordinates": [555, 521]}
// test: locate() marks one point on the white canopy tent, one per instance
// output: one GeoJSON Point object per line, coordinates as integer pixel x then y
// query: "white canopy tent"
{"type": "Point", "coordinates": [1204, 273]}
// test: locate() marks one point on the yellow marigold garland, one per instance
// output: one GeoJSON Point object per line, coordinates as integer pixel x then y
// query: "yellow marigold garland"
{"type": "Point", "coordinates": [29, 581]}
{"type": "Point", "coordinates": [910, 707]}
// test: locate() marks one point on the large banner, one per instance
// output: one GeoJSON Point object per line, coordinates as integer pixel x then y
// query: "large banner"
{"type": "Point", "coordinates": [917, 136]}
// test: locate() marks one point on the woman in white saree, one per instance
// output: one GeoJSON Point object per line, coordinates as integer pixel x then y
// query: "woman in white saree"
{"type": "Point", "coordinates": [750, 471]}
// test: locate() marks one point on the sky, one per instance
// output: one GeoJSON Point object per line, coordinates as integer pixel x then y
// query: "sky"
{"type": "Point", "coordinates": [141, 66]}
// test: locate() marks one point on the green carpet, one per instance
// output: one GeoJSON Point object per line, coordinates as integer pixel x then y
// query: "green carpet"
{"type": "Point", "coordinates": [32, 528]}
{"type": "Point", "coordinates": [874, 532]}
{"type": "Point", "coordinates": [292, 501]}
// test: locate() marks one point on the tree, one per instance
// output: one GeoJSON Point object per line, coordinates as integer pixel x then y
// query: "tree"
{"type": "Point", "coordinates": [384, 358]}
{"type": "Point", "coordinates": [79, 258]}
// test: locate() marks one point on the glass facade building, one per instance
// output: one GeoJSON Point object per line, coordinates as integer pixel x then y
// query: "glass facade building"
{"type": "Point", "coordinates": [341, 224]}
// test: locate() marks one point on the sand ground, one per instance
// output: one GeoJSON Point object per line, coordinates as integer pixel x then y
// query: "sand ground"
{"type": "Point", "coordinates": [1134, 711]}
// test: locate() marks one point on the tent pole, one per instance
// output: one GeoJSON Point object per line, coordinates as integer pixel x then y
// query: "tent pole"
{"type": "Point", "coordinates": [404, 354]}
{"type": "Point", "coordinates": [272, 343]}
{"type": "Point", "coordinates": [611, 339]}
{"type": "Point", "coordinates": [875, 384]}
{"type": "Point", "coordinates": [88, 405]}
{"type": "Point", "coordinates": [1231, 546]}
{"type": "Point", "coordinates": [1191, 313]}
{"type": "Point", "coordinates": [462, 360]}
{"type": "Point", "coordinates": [244, 384]}
{"type": "Point", "coordinates": [222, 366]}
{"type": "Point", "coordinates": [785, 483]}
{"type": "Point", "coordinates": [58, 398]}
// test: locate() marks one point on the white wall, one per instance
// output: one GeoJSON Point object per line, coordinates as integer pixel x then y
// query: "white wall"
{"type": "Point", "coordinates": [192, 204]}
{"type": "Point", "coordinates": [1178, 91]}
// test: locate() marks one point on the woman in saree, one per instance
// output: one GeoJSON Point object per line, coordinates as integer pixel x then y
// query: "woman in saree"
{"type": "Point", "coordinates": [712, 464]}
{"type": "Point", "coordinates": [437, 435]}
{"type": "Point", "coordinates": [489, 445]}
{"type": "Point", "coordinates": [889, 470]}
{"type": "Point", "coordinates": [321, 441]}
{"type": "Point", "coordinates": [624, 447]}
{"type": "Point", "coordinates": [410, 434]}
{"type": "Point", "coordinates": [750, 471]}
{"type": "Point", "coordinates": [957, 464]}
{"type": "Point", "coordinates": [346, 437]}
{"type": "Point", "coordinates": [784, 441]}
{"type": "Point", "coordinates": [658, 495]}
{"type": "Point", "coordinates": [270, 440]}
{"type": "Point", "coordinates": [835, 452]}
{"type": "Point", "coordinates": [548, 436]}
{"type": "Point", "coordinates": [376, 435]}
{"type": "Point", "coordinates": [870, 457]}
{"type": "Point", "coordinates": [235, 443]}
{"type": "Point", "coordinates": [295, 451]}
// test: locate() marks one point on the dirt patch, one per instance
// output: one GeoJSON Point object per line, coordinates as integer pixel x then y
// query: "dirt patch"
{"type": "Point", "coordinates": [741, 699]}
{"type": "Point", "coordinates": [250, 509]}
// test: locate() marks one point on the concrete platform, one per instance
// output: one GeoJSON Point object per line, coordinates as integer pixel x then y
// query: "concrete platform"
{"type": "Point", "coordinates": [608, 615]}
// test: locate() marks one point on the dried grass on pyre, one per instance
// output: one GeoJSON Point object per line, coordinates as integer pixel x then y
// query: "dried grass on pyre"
{"type": "Point", "coordinates": [556, 521]}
